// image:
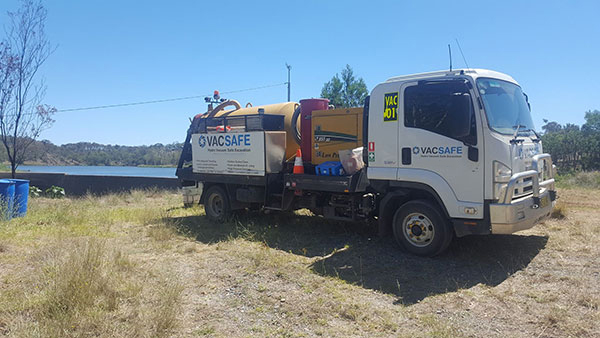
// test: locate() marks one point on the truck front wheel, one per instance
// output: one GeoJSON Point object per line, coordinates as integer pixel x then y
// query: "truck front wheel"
{"type": "Point", "coordinates": [421, 229]}
{"type": "Point", "coordinates": [216, 204]}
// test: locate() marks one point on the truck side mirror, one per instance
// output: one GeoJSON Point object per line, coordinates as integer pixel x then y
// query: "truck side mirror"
{"type": "Point", "coordinates": [527, 100]}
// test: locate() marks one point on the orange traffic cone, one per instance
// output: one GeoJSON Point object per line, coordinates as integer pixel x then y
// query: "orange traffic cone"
{"type": "Point", "coordinates": [298, 165]}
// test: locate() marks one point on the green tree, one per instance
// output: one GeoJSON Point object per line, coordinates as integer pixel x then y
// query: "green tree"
{"type": "Point", "coordinates": [345, 90]}
{"type": "Point", "coordinates": [592, 121]}
{"type": "Point", "coordinates": [551, 126]}
{"type": "Point", "coordinates": [572, 147]}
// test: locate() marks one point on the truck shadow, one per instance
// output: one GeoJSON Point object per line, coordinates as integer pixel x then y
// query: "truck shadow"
{"type": "Point", "coordinates": [352, 252]}
{"type": "Point", "coordinates": [379, 265]}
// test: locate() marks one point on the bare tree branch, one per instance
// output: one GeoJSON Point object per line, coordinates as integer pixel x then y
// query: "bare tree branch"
{"type": "Point", "coordinates": [22, 115]}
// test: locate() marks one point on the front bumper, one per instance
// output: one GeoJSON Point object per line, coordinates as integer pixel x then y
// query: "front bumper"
{"type": "Point", "coordinates": [511, 215]}
{"type": "Point", "coordinates": [520, 214]}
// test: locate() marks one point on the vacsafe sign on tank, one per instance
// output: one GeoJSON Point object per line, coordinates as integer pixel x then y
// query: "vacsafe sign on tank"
{"type": "Point", "coordinates": [235, 153]}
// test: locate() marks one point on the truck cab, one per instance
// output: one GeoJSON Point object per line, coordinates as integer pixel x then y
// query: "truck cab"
{"type": "Point", "coordinates": [467, 138]}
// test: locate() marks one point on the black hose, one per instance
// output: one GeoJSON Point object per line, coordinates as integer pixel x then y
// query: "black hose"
{"type": "Point", "coordinates": [296, 132]}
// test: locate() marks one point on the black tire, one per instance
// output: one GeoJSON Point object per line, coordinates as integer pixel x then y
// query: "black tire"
{"type": "Point", "coordinates": [421, 228]}
{"type": "Point", "coordinates": [216, 204]}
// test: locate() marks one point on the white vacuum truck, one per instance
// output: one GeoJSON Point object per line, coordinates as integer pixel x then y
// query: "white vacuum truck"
{"type": "Point", "coordinates": [444, 154]}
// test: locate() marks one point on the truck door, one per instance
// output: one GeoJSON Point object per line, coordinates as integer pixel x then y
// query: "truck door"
{"type": "Point", "coordinates": [439, 138]}
{"type": "Point", "coordinates": [382, 146]}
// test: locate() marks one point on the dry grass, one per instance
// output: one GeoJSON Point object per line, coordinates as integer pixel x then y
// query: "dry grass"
{"type": "Point", "coordinates": [559, 211]}
{"type": "Point", "coordinates": [161, 232]}
{"type": "Point", "coordinates": [167, 308]}
{"type": "Point", "coordinates": [583, 180]}
{"type": "Point", "coordinates": [76, 285]}
{"type": "Point", "coordinates": [72, 269]}
{"type": "Point", "coordinates": [141, 265]}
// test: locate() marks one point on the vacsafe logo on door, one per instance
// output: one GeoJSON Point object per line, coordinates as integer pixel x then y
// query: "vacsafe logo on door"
{"type": "Point", "coordinates": [441, 151]}
{"type": "Point", "coordinates": [225, 143]}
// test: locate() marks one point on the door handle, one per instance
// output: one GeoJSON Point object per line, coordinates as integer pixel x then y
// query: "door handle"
{"type": "Point", "coordinates": [473, 154]}
{"type": "Point", "coordinates": [406, 156]}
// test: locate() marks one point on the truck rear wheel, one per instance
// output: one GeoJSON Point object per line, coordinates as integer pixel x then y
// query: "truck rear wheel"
{"type": "Point", "coordinates": [216, 204]}
{"type": "Point", "coordinates": [420, 228]}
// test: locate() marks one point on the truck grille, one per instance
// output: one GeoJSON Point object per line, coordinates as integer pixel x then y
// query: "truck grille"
{"type": "Point", "coordinates": [523, 188]}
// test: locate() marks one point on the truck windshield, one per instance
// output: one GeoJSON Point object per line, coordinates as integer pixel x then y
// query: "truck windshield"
{"type": "Point", "coordinates": [505, 106]}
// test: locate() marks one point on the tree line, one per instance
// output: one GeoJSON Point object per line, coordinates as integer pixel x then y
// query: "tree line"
{"type": "Point", "coordinates": [574, 147]}
{"type": "Point", "coordinates": [87, 153]}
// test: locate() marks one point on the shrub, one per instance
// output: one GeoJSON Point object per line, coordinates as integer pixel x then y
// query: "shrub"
{"type": "Point", "coordinates": [55, 192]}
{"type": "Point", "coordinates": [35, 191]}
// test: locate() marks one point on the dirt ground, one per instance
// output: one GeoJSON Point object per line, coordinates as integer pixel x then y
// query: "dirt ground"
{"type": "Point", "coordinates": [168, 271]}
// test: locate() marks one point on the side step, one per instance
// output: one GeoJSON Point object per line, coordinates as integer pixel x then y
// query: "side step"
{"type": "Point", "coordinates": [280, 201]}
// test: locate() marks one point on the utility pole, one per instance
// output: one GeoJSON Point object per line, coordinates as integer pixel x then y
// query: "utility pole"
{"type": "Point", "coordinates": [289, 84]}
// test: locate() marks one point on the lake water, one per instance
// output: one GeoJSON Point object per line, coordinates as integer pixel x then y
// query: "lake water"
{"type": "Point", "coordinates": [101, 170]}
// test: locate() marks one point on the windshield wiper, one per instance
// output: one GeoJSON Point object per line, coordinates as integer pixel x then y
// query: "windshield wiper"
{"type": "Point", "coordinates": [514, 139]}
{"type": "Point", "coordinates": [537, 136]}
{"type": "Point", "coordinates": [518, 129]}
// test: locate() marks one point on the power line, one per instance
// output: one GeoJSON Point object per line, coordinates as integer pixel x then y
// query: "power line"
{"type": "Point", "coordinates": [165, 100]}
{"type": "Point", "coordinates": [129, 104]}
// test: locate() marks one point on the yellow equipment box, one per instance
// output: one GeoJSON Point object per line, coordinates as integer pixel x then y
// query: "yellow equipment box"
{"type": "Point", "coordinates": [334, 130]}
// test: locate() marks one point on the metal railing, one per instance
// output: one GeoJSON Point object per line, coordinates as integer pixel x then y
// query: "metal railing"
{"type": "Point", "coordinates": [238, 123]}
{"type": "Point", "coordinates": [545, 170]}
{"type": "Point", "coordinates": [541, 175]}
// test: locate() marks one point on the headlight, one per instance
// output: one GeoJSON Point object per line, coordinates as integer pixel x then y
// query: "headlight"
{"type": "Point", "coordinates": [502, 175]}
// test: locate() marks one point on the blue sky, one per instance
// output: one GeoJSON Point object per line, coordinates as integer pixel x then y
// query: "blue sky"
{"type": "Point", "coordinates": [112, 52]}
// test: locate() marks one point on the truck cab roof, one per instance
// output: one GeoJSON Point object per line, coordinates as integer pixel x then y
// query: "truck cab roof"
{"type": "Point", "coordinates": [474, 73]}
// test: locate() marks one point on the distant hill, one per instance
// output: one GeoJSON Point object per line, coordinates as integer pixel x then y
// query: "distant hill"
{"type": "Point", "coordinates": [86, 153]}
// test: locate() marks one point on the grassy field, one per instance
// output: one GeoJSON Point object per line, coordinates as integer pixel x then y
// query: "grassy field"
{"type": "Point", "coordinates": [140, 265]}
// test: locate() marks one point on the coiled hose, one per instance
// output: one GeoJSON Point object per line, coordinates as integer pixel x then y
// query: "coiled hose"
{"type": "Point", "coordinates": [296, 132]}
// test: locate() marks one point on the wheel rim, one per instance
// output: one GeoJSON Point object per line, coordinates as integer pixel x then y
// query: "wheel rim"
{"type": "Point", "coordinates": [215, 205]}
{"type": "Point", "coordinates": [418, 229]}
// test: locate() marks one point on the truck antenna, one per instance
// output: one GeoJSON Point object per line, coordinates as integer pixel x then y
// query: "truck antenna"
{"type": "Point", "coordinates": [461, 53]}
{"type": "Point", "coordinates": [450, 55]}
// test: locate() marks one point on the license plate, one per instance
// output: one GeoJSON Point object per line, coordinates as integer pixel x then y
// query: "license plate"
{"type": "Point", "coordinates": [544, 201]}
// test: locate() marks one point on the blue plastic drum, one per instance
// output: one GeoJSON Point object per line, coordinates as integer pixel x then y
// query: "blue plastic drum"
{"type": "Point", "coordinates": [7, 197]}
{"type": "Point", "coordinates": [21, 195]}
